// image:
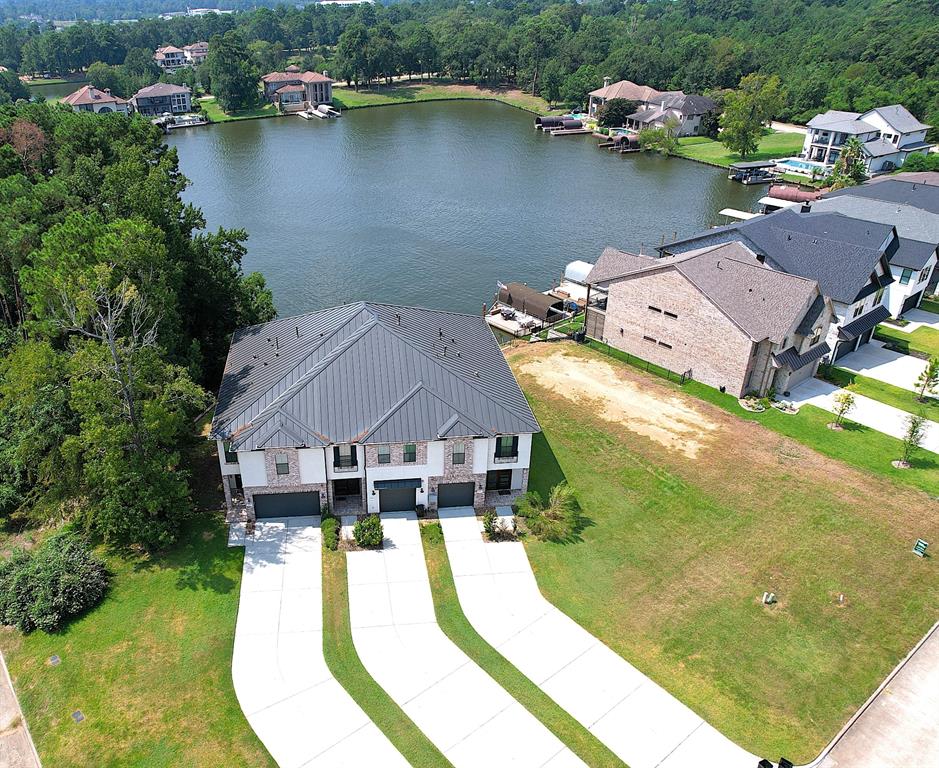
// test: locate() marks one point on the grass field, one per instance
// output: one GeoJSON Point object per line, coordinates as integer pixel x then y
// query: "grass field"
{"type": "Point", "coordinates": [408, 92]}
{"type": "Point", "coordinates": [925, 340]}
{"type": "Point", "coordinates": [903, 399]}
{"type": "Point", "coordinates": [929, 305]}
{"type": "Point", "coordinates": [457, 627]}
{"type": "Point", "coordinates": [344, 663]}
{"type": "Point", "coordinates": [678, 548]}
{"type": "Point", "coordinates": [216, 115]}
{"type": "Point", "coordinates": [772, 146]}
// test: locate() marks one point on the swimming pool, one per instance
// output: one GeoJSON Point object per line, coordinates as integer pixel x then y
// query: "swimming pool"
{"type": "Point", "coordinates": [805, 167]}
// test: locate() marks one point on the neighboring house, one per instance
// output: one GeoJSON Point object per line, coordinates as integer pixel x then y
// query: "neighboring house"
{"type": "Point", "coordinates": [717, 312]}
{"type": "Point", "coordinates": [847, 257]}
{"type": "Point", "coordinates": [370, 408]}
{"type": "Point", "coordinates": [888, 136]}
{"type": "Point", "coordinates": [91, 99]}
{"type": "Point", "coordinates": [160, 98]}
{"type": "Point", "coordinates": [196, 53]}
{"type": "Point", "coordinates": [170, 58]}
{"type": "Point", "coordinates": [655, 107]}
{"type": "Point", "coordinates": [293, 90]}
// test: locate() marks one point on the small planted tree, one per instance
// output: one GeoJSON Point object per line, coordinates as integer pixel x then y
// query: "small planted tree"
{"type": "Point", "coordinates": [368, 532]}
{"type": "Point", "coordinates": [849, 168]}
{"type": "Point", "coordinates": [928, 381]}
{"type": "Point", "coordinates": [555, 519]}
{"type": "Point", "coordinates": [844, 404]}
{"type": "Point", "coordinates": [912, 439]}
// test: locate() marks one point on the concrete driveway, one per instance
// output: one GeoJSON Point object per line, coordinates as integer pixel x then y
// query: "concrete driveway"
{"type": "Point", "coordinates": [919, 318]}
{"type": "Point", "coordinates": [462, 710]}
{"type": "Point", "coordinates": [876, 362]}
{"type": "Point", "coordinates": [637, 719]}
{"type": "Point", "coordinates": [296, 707]}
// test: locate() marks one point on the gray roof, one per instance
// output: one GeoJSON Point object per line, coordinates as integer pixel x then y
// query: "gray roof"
{"type": "Point", "coordinates": [613, 263]}
{"type": "Point", "coordinates": [811, 316]}
{"type": "Point", "coordinates": [794, 360]}
{"type": "Point", "coordinates": [367, 373]}
{"type": "Point", "coordinates": [911, 223]}
{"type": "Point", "coordinates": [864, 323]}
{"type": "Point", "coordinates": [688, 103]}
{"type": "Point", "coordinates": [924, 195]}
{"type": "Point", "coordinates": [879, 148]}
{"type": "Point", "coordinates": [899, 118]}
{"type": "Point", "coordinates": [838, 252]}
{"type": "Point", "coordinates": [160, 89]}
{"type": "Point", "coordinates": [842, 122]}
{"type": "Point", "coordinates": [913, 254]}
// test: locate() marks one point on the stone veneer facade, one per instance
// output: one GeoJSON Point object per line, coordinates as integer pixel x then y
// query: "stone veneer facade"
{"type": "Point", "coordinates": [397, 455]}
{"type": "Point", "coordinates": [497, 499]}
{"type": "Point", "coordinates": [458, 473]}
{"type": "Point", "coordinates": [289, 483]}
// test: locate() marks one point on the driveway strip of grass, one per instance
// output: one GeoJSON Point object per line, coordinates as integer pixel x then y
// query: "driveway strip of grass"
{"type": "Point", "coordinates": [347, 668]}
{"type": "Point", "coordinates": [457, 627]}
{"type": "Point", "coordinates": [904, 399]}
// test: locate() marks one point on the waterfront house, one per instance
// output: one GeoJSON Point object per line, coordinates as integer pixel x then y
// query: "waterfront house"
{"type": "Point", "coordinates": [370, 408]}
{"type": "Point", "coordinates": [161, 98]}
{"type": "Point", "coordinates": [888, 136]}
{"type": "Point", "coordinates": [91, 99]}
{"type": "Point", "coordinates": [847, 257]}
{"type": "Point", "coordinates": [718, 312]}
{"type": "Point", "coordinates": [655, 108]}
{"type": "Point", "coordinates": [169, 58]}
{"type": "Point", "coordinates": [196, 53]}
{"type": "Point", "coordinates": [294, 91]}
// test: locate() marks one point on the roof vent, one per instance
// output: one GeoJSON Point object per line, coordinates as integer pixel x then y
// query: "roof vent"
{"type": "Point", "coordinates": [440, 332]}
{"type": "Point", "coordinates": [477, 374]}
{"type": "Point", "coordinates": [298, 331]}
{"type": "Point", "coordinates": [397, 318]}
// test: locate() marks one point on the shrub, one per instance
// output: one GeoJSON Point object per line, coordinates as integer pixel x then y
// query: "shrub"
{"type": "Point", "coordinates": [62, 578]}
{"type": "Point", "coordinates": [489, 521]}
{"type": "Point", "coordinates": [558, 519]}
{"type": "Point", "coordinates": [368, 532]}
{"type": "Point", "coordinates": [330, 530]}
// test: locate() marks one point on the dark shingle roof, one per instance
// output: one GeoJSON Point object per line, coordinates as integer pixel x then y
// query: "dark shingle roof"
{"type": "Point", "coordinates": [910, 222]}
{"type": "Point", "coordinates": [913, 254]}
{"type": "Point", "coordinates": [368, 373]}
{"type": "Point", "coordinates": [792, 359]}
{"type": "Point", "coordinates": [917, 194]}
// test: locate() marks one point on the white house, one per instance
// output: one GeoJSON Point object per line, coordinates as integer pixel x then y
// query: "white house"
{"type": "Point", "coordinates": [196, 53]}
{"type": "Point", "coordinates": [655, 107]}
{"type": "Point", "coordinates": [888, 134]}
{"type": "Point", "coordinates": [170, 58]}
{"type": "Point", "coordinates": [91, 99]}
{"type": "Point", "coordinates": [370, 408]}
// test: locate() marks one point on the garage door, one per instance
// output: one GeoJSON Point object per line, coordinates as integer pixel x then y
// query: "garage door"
{"type": "Point", "coordinates": [455, 494]}
{"type": "Point", "coordinates": [286, 505]}
{"type": "Point", "coordinates": [842, 348]}
{"type": "Point", "coordinates": [911, 302]}
{"type": "Point", "coordinates": [397, 499]}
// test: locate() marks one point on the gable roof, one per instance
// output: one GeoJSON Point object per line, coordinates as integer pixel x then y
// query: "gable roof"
{"type": "Point", "coordinates": [613, 263]}
{"type": "Point", "coordinates": [842, 122]}
{"type": "Point", "coordinates": [899, 118]}
{"type": "Point", "coordinates": [911, 223]}
{"type": "Point", "coordinates": [626, 89]}
{"type": "Point", "coordinates": [160, 89]}
{"type": "Point", "coordinates": [303, 77]}
{"type": "Point", "coordinates": [918, 193]}
{"type": "Point", "coordinates": [88, 94]}
{"type": "Point", "coordinates": [367, 373]}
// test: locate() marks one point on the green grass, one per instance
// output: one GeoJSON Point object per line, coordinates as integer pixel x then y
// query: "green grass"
{"type": "Point", "coordinates": [676, 550]}
{"type": "Point", "coordinates": [405, 92]}
{"type": "Point", "coordinates": [216, 115]}
{"type": "Point", "coordinates": [923, 340]}
{"type": "Point", "coordinates": [930, 305]}
{"type": "Point", "coordinates": [904, 399]}
{"type": "Point", "coordinates": [344, 663]}
{"type": "Point", "coordinates": [457, 627]}
{"type": "Point", "coordinates": [50, 81]}
{"type": "Point", "coordinates": [150, 667]}
{"type": "Point", "coordinates": [772, 146]}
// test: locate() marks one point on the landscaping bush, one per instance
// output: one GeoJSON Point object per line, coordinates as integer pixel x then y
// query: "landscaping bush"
{"type": "Point", "coordinates": [558, 519]}
{"type": "Point", "coordinates": [42, 589]}
{"type": "Point", "coordinates": [330, 530]}
{"type": "Point", "coordinates": [368, 532]}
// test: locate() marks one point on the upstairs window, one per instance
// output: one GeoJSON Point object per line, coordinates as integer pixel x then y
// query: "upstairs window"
{"type": "Point", "coordinates": [459, 453]}
{"type": "Point", "coordinates": [231, 457]}
{"type": "Point", "coordinates": [384, 454]}
{"type": "Point", "coordinates": [507, 447]}
{"type": "Point", "coordinates": [857, 310]}
{"type": "Point", "coordinates": [410, 453]}
{"type": "Point", "coordinates": [344, 457]}
{"type": "Point", "coordinates": [905, 276]}
{"type": "Point", "coordinates": [924, 275]}
{"type": "Point", "coordinates": [282, 463]}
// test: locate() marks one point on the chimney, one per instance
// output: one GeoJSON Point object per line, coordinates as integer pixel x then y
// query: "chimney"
{"type": "Point", "coordinates": [806, 207]}
{"type": "Point", "coordinates": [606, 81]}
{"type": "Point", "coordinates": [761, 258]}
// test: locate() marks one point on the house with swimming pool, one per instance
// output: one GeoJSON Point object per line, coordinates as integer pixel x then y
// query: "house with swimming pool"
{"type": "Point", "coordinates": [370, 408]}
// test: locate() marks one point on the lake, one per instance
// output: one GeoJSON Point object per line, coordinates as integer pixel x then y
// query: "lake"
{"type": "Point", "coordinates": [430, 204]}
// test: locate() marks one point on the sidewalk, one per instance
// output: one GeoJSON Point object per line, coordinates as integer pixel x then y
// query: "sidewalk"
{"type": "Point", "coordinates": [16, 744]}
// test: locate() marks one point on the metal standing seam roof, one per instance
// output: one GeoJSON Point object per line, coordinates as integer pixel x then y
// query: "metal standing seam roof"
{"type": "Point", "coordinates": [367, 373]}
{"type": "Point", "coordinates": [864, 323]}
{"type": "Point", "coordinates": [794, 360]}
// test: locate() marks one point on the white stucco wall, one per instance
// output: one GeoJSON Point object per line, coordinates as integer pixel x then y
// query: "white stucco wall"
{"type": "Point", "coordinates": [897, 293]}
{"type": "Point", "coordinates": [253, 471]}
{"type": "Point", "coordinates": [312, 465]}
{"type": "Point", "coordinates": [227, 468]}
{"type": "Point", "coordinates": [524, 454]}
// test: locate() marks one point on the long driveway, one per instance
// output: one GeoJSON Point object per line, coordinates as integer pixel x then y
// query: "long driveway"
{"type": "Point", "coordinates": [296, 707]}
{"type": "Point", "coordinates": [877, 362]}
{"type": "Point", "coordinates": [637, 719]}
{"type": "Point", "coordinates": [867, 411]}
{"type": "Point", "coordinates": [462, 710]}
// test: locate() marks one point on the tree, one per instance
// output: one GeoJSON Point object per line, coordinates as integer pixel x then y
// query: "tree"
{"type": "Point", "coordinates": [849, 169]}
{"type": "Point", "coordinates": [916, 427]}
{"type": "Point", "coordinates": [928, 380]}
{"type": "Point", "coordinates": [12, 88]}
{"type": "Point", "coordinates": [579, 83]}
{"type": "Point", "coordinates": [419, 51]}
{"type": "Point", "coordinates": [352, 54]}
{"type": "Point", "coordinates": [556, 519]}
{"type": "Point", "coordinates": [551, 82]}
{"type": "Point", "coordinates": [614, 112]}
{"type": "Point", "coordinates": [233, 73]}
{"type": "Point", "coordinates": [664, 139]}
{"type": "Point", "coordinates": [844, 404]}
{"type": "Point", "coordinates": [746, 110]}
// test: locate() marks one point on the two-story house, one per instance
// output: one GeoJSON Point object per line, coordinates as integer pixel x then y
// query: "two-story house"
{"type": "Point", "coordinates": [91, 99]}
{"type": "Point", "coordinates": [160, 98]}
{"type": "Point", "coordinates": [847, 257]}
{"type": "Point", "coordinates": [294, 91]}
{"type": "Point", "coordinates": [370, 408]}
{"type": "Point", "coordinates": [655, 108]}
{"type": "Point", "coordinates": [888, 136]}
{"type": "Point", "coordinates": [170, 58]}
{"type": "Point", "coordinates": [717, 311]}
{"type": "Point", "coordinates": [196, 53]}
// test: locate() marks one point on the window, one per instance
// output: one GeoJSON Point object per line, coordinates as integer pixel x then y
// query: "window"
{"type": "Point", "coordinates": [858, 310]}
{"type": "Point", "coordinates": [231, 457]}
{"type": "Point", "coordinates": [816, 337]}
{"type": "Point", "coordinates": [282, 463]}
{"type": "Point", "coordinates": [384, 454]}
{"type": "Point", "coordinates": [648, 338]}
{"type": "Point", "coordinates": [459, 453]}
{"type": "Point", "coordinates": [499, 480]}
{"type": "Point", "coordinates": [878, 296]}
{"type": "Point", "coordinates": [507, 447]}
{"type": "Point", "coordinates": [924, 275]}
{"type": "Point", "coordinates": [410, 453]}
{"type": "Point", "coordinates": [663, 344]}
{"type": "Point", "coordinates": [905, 276]}
{"type": "Point", "coordinates": [671, 315]}
{"type": "Point", "coordinates": [655, 309]}
{"type": "Point", "coordinates": [344, 457]}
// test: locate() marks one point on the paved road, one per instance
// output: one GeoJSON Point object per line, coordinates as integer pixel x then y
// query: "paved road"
{"type": "Point", "coordinates": [462, 710]}
{"type": "Point", "coordinates": [296, 707]}
{"type": "Point", "coordinates": [637, 719]}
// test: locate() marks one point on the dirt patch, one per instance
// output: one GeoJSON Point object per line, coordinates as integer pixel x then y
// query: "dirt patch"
{"type": "Point", "coordinates": [669, 421]}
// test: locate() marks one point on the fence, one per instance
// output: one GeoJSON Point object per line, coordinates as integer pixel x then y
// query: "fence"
{"type": "Point", "coordinates": [638, 362]}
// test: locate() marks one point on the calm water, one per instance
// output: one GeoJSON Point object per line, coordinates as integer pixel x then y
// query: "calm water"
{"type": "Point", "coordinates": [431, 204]}
{"type": "Point", "coordinates": [56, 91]}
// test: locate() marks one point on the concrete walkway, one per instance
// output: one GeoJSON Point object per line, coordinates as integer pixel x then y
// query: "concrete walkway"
{"type": "Point", "coordinates": [16, 744]}
{"type": "Point", "coordinates": [296, 707]}
{"type": "Point", "coordinates": [899, 726]}
{"type": "Point", "coordinates": [876, 362]}
{"type": "Point", "coordinates": [637, 719]}
{"type": "Point", "coordinates": [871, 413]}
{"type": "Point", "coordinates": [462, 710]}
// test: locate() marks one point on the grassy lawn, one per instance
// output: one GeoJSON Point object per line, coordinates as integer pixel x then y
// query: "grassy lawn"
{"type": "Point", "coordinates": [457, 627]}
{"type": "Point", "coordinates": [772, 146]}
{"type": "Point", "coordinates": [925, 340]}
{"type": "Point", "coordinates": [679, 546]}
{"type": "Point", "coordinates": [407, 92]}
{"type": "Point", "coordinates": [216, 115]}
{"type": "Point", "coordinates": [929, 305]}
{"type": "Point", "coordinates": [900, 398]}
{"type": "Point", "coordinates": [347, 668]}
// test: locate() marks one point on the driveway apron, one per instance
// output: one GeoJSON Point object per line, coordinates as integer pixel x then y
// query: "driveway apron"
{"type": "Point", "coordinates": [296, 707]}
{"type": "Point", "coordinates": [460, 708]}
{"type": "Point", "coordinates": [637, 719]}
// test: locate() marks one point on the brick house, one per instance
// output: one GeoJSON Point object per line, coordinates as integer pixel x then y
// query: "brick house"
{"type": "Point", "coordinates": [370, 408]}
{"type": "Point", "coordinates": [718, 312]}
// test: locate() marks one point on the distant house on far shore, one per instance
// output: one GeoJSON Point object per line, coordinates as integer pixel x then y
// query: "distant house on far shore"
{"type": "Point", "coordinates": [169, 58]}
{"type": "Point", "coordinates": [655, 107]}
{"type": "Point", "coordinates": [294, 91]}
{"type": "Point", "coordinates": [196, 53]}
{"type": "Point", "coordinates": [91, 99]}
{"type": "Point", "coordinates": [160, 98]}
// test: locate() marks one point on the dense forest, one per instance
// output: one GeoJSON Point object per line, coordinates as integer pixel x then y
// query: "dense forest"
{"type": "Point", "coordinates": [842, 54]}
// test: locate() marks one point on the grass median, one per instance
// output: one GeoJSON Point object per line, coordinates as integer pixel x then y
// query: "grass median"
{"type": "Point", "coordinates": [904, 399]}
